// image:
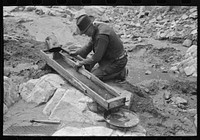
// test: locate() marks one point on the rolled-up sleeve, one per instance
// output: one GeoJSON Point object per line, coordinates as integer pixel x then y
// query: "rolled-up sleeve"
{"type": "Point", "coordinates": [100, 48]}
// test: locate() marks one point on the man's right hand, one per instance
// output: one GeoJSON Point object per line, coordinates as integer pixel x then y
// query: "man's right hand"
{"type": "Point", "coordinates": [74, 53]}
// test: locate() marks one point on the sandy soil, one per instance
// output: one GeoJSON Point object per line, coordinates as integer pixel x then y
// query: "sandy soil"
{"type": "Point", "coordinates": [157, 116]}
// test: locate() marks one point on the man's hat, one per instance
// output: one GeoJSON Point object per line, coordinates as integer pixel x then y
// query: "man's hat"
{"type": "Point", "coordinates": [83, 22]}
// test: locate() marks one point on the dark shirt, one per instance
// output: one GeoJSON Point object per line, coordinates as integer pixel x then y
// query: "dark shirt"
{"type": "Point", "coordinates": [105, 44]}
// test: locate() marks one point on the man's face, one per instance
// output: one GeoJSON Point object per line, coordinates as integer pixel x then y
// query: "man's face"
{"type": "Point", "coordinates": [89, 31]}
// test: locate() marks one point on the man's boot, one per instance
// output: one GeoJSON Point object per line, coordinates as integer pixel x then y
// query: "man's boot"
{"type": "Point", "coordinates": [122, 76]}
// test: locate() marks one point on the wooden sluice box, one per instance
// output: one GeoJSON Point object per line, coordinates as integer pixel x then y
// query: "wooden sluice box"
{"type": "Point", "coordinates": [85, 81]}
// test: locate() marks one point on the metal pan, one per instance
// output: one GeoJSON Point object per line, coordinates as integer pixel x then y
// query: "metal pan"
{"type": "Point", "coordinates": [123, 118]}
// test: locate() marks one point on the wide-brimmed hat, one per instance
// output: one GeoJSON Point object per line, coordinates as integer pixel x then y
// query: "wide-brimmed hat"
{"type": "Point", "coordinates": [83, 22]}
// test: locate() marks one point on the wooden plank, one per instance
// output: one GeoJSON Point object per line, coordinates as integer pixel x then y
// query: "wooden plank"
{"type": "Point", "coordinates": [74, 81]}
{"type": "Point", "coordinates": [116, 98]}
{"type": "Point", "coordinates": [91, 76]}
{"type": "Point", "coordinates": [117, 103]}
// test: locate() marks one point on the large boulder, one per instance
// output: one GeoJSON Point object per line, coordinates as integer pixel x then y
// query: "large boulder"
{"type": "Point", "coordinates": [189, 70]}
{"type": "Point", "coordinates": [191, 51]}
{"type": "Point", "coordinates": [73, 108]}
{"type": "Point", "coordinates": [42, 89]}
{"type": "Point", "coordinates": [54, 101]}
{"type": "Point", "coordinates": [94, 131]}
{"type": "Point", "coordinates": [11, 94]}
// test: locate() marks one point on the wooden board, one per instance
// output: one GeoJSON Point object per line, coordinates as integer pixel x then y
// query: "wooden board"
{"type": "Point", "coordinates": [85, 81]}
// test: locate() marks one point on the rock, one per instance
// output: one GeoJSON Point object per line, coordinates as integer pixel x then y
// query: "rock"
{"type": "Point", "coordinates": [193, 15]}
{"type": "Point", "coordinates": [194, 74]}
{"type": "Point", "coordinates": [24, 66]}
{"type": "Point", "coordinates": [94, 131]}
{"type": "Point", "coordinates": [54, 79]}
{"type": "Point", "coordinates": [126, 133]}
{"type": "Point", "coordinates": [174, 68]}
{"type": "Point", "coordinates": [43, 87]}
{"type": "Point", "coordinates": [88, 131]}
{"type": "Point", "coordinates": [159, 17]}
{"type": "Point", "coordinates": [167, 95]}
{"type": "Point", "coordinates": [5, 109]}
{"type": "Point", "coordinates": [139, 39]}
{"type": "Point", "coordinates": [152, 20]}
{"type": "Point", "coordinates": [54, 101]}
{"type": "Point", "coordinates": [104, 18]}
{"type": "Point", "coordinates": [192, 111]}
{"type": "Point", "coordinates": [187, 43]}
{"type": "Point", "coordinates": [179, 100]}
{"type": "Point", "coordinates": [11, 94]}
{"type": "Point", "coordinates": [9, 8]}
{"type": "Point", "coordinates": [148, 72]}
{"type": "Point", "coordinates": [7, 70]}
{"type": "Point", "coordinates": [189, 70]}
{"type": "Point", "coordinates": [26, 45]}
{"type": "Point", "coordinates": [141, 15]}
{"type": "Point", "coordinates": [95, 11]}
{"type": "Point", "coordinates": [7, 14]}
{"type": "Point", "coordinates": [69, 109]}
{"type": "Point", "coordinates": [195, 120]}
{"type": "Point", "coordinates": [192, 49]}
{"type": "Point", "coordinates": [69, 131]}
{"type": "Point", "coordinates": [194, 32]}
{"type": "Point", "coordinates": [190, 63]}
{"type": "Point", "coordinates": [184, 16]}
{"type": "Point", "coordinates": [40, 10]}
{"type": "Point", "coordinates": [163, 35]}
{"type": "Point", "coordinates": [29, 8]}
{"type": "Point", "coordinates": [193, 10]}
{"type": "Point", "coordinates": [39, 93]}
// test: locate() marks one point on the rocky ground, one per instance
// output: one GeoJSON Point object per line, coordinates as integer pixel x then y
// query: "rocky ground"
{"type": "Point", "coordinates": [162, 51]}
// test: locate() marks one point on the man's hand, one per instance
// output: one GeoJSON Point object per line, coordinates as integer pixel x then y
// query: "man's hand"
{"type": "Point", "coordinates": [78, 64]}
{"type": "Point", "coordinates": [73, 53]}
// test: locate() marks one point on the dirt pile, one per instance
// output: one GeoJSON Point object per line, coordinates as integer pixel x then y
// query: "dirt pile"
{"type": "Point", "coordinates": [175, 104]}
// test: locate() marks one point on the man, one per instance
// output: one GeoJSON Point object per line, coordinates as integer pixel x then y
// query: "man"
{"type": "Point", "coordinates": [108, 50]}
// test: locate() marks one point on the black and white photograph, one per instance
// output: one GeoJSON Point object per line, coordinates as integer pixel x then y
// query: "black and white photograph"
{"type": "Point", "coordinates": [100, 70]}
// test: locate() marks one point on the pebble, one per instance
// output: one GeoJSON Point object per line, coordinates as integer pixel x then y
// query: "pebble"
{"type": "Point", "coordinates": [187, 43]}
{"type": "Point", "coordinates": [192, 111]}
{"type": "Point", "coordinates": [159, 17]}
{"type": "Point", "coordinates": [194, 74]}
{"type": "Point", "coordinates": [194, 32]}
{"type": "Point", "coordinates": [167, 95]}
{"type": "Point", "coordinates": [139, 39]}
{"type": "Point", "coordinates": [148, 72]}
{"type": "Point", "coordinates": [189, 70]}
{"type": "Point", "coordinates": [184, 16]}
{"type": "Point", "coordinates": [179, 100]}
{"type": "Point", "coordinates": [174, 68]}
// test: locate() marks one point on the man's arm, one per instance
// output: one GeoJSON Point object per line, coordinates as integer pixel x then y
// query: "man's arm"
{"type": "Point", "coordinates": [85, 50]}
{"type": "Point", "coordinates": [101, 46]}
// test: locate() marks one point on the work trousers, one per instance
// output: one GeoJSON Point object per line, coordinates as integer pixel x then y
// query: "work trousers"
{"type": "Point", "coordinates": [108, 70]}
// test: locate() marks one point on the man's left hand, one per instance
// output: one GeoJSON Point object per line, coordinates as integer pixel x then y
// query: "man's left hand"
{"type": "Point", "coordinates": [78, 64]}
